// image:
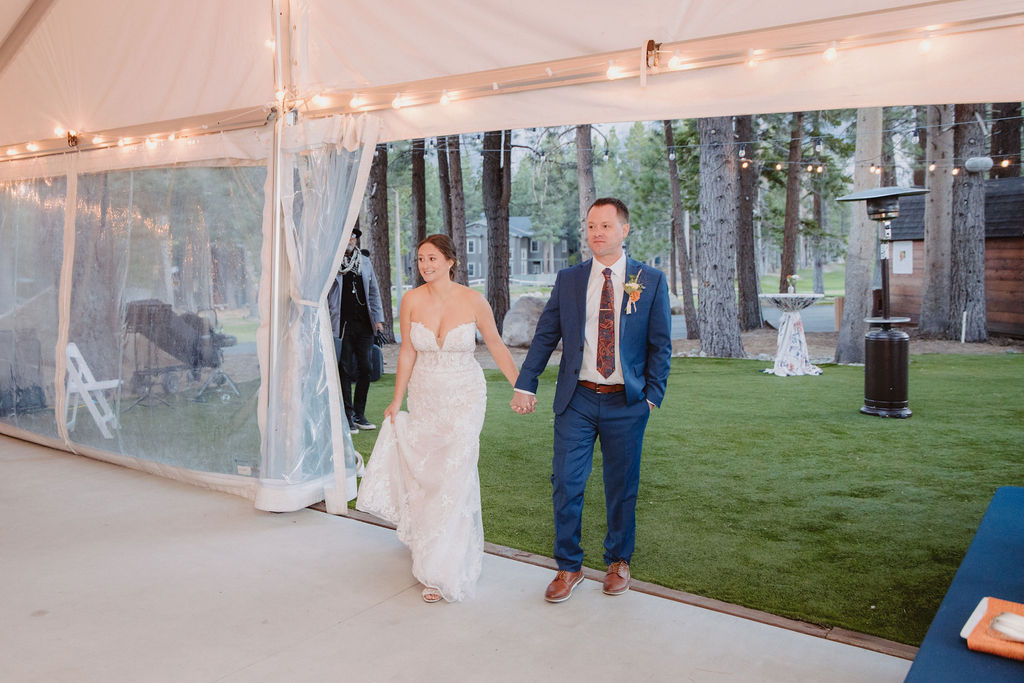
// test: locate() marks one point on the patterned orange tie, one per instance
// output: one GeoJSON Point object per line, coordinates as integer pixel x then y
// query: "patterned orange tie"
{"type": "Point", "coordinates": [606, 328]}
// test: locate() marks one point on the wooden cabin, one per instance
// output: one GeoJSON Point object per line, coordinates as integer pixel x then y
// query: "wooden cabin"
{"type": "Point", "coordinates": [1004, 257]}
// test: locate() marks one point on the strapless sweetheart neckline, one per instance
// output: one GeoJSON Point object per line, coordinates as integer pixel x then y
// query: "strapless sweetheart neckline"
{"type": "Point", "coordinates": [437, 342]}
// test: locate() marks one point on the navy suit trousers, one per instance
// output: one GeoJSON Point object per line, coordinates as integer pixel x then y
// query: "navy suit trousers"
{"type": "Point", "coordinates": [620, 428]}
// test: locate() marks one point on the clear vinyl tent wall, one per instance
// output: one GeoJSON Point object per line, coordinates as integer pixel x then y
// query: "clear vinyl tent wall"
{"type": "Point", "coordinates": [134, 297]}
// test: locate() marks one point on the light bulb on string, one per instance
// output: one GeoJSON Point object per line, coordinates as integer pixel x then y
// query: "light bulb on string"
{"type": "Point", "coordinates": [810, 167]}
{"type": "Point", "coordinates": [955, 171]}
{"type": "Point", "coordinates": [931, 167]}
{"type": "Point", "coordinates": [820, 169]}
{"type": "Point", "coordinates": [1004, 163]}
{"type": "Point", "coordinates": [744, 164]}
{"type": "Point", "coordinates": [743, 151]}
{"type": "Point", "coordinates": [778, 166]}
{"type": "Point", "coordinates": [671, 156]}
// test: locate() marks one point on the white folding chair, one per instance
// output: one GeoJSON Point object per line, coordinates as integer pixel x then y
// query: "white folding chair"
{"type": "Point", "coordinates": [85, 390]}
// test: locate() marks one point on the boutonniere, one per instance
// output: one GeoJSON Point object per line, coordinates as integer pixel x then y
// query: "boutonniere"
{"type": "Point", "coordinates": [633, 288]}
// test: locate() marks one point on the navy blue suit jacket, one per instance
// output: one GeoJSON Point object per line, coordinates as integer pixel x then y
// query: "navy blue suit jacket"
{"type": "Point", "coordinates": [645, 342]}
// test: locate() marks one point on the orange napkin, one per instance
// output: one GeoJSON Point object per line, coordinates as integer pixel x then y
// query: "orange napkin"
{"type": "Point", "coordinates": [984, 639]}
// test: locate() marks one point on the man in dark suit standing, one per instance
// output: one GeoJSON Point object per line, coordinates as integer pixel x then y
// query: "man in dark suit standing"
{"type": "Point", "coordinates": [613, 318]}
{"type": "Point", "coordinates": [356, 313]}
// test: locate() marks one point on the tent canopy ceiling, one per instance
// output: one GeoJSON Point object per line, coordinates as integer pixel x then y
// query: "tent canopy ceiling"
{"type": "Point", "coordinates": [121, 67]}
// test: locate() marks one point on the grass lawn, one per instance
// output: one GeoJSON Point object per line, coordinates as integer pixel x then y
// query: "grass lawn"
{"type": "Point", "coordinates": [775, 493]}
{"type": "Point", "coordinates": [834, 275]}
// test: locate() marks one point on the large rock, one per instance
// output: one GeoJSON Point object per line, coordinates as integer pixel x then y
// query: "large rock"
{"type": "Point", "coordinates": [675, 303]}
{"type": "Point", "coordinates": [521, 320]}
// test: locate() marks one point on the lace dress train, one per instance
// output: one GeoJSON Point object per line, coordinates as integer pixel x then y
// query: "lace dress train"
{"type": "Point", "coordinates": [422, 476]}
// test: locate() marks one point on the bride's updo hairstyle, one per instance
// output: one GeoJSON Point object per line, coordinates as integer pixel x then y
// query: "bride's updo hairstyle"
{"type": "Point", "coordinates": [443, 243]}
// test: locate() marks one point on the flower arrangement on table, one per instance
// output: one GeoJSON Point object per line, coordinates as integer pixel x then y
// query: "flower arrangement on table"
{"type": "Point", "coordinates": [791, 282]}
{"type": "Point", "coordinates": [632, 287]}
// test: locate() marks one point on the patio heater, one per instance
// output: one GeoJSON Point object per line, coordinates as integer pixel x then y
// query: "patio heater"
{"type": "Point", "coordinates": [886, 351]}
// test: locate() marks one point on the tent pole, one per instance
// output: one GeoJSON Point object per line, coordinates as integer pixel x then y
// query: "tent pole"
{"type": "Point", "coordinates": [22, 30]}
{"type": "Point", "coordinates": [282, 74]}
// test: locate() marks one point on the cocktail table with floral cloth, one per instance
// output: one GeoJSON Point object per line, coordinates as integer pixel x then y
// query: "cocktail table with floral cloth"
{"type": "Point", "coordinates": [791, 354]}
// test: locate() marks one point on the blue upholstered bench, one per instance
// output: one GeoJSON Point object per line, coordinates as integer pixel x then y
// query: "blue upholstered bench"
{"type": "Point", "coordinates": [993, 566]}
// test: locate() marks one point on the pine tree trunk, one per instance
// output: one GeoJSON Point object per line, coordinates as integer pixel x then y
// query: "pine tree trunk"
{"type": "Point", "coordinates": [967, 255]}
{"type": "Point", "coordinates": [677, 211]}
{"type": "Point", "coordinates": [717, 312]}
{"type": "Point", "coordinates": [938, 221]}
{"type": "Point", "coordinates": [585, 178]}
{"type": "Point", "coordinates": [679, 228]}
{"type": "Point", "coordinates": [99, 256]}
{"type": "Point", "coordinates": [445, 182]}
{"type": "Point", "coordinates": [861, 252]}
{"type": "Point", "coordinates": [746, 267]}
{"type": "Point", "coordinates": [379, 233]}
{"type": "Point", "coordinates": [496, 183]}
{"type": "Point", "coordinates": [458, 208]}
{"type": "Point", "coordinates": [1006, 127]}
{"type": "Point", "coordinates": [791, 227]}
{"type": "Point", "coordinates": [419, 201]}
{"type": "Point", "coordinates": [815, 239]}
{"type": "Point", "coordinates": [888, 162]}
{"type": "Point", "coordinates": [921, 158]}
{"type": "Point", "coordinates": [686, 268]}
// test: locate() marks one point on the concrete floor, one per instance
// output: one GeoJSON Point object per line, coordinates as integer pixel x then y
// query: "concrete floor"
{"type": "Point", "coordinates": [109, 574]}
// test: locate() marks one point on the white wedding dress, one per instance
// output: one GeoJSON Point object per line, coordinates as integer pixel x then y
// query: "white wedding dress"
{"type": "Point", "coordinates": [422, 476]}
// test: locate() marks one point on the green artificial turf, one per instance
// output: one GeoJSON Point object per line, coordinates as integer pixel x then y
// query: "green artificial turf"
{"type": "Point", "coordinates": [776, 493]}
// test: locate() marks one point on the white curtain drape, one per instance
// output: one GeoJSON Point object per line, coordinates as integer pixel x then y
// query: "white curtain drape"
{"type": "Point", "coordinates": [307, 451]}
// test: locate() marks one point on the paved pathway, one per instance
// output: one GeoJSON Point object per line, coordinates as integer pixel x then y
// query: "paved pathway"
{"type": "Point", "coordinates": [110, 574]}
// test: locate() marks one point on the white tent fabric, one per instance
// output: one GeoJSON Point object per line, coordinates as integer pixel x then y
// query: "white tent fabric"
{"type": "Point", "coordinates": [172, 73]}
{"type": "Point", "coordinates": [85, 240]}
{"type": "Point", "coordinates": [325, 164]}
{"type": "Point", "coordinates": [119, 65]}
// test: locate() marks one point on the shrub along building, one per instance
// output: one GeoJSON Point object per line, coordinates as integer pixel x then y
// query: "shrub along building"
{"type": "Point", "coordinates": [1004, 257]}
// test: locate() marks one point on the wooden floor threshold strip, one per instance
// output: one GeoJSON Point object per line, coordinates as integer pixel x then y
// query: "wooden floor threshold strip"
{"type": "Point", "coordinates": [839, 635]}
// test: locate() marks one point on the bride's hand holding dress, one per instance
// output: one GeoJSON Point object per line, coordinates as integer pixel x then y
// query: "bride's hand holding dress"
{"type": "Point", "coordinates": [422, 475]}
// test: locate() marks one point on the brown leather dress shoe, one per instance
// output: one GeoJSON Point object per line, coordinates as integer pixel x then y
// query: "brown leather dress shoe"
{"type": "Point", "coordinates": [561, 587]}
{"type": "Point", "coordinates": [616, 581]}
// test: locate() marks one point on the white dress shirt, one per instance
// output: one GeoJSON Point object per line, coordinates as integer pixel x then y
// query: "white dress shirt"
{"type": "Point", "coordinates": [588, 371]}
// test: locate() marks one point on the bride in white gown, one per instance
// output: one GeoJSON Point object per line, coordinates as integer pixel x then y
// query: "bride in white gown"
{"type": "Point", "coordinates": [422, 475]}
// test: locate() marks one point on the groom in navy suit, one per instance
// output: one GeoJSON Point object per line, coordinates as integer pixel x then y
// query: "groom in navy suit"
{"type": "Point", "coordinates": [612, 316]}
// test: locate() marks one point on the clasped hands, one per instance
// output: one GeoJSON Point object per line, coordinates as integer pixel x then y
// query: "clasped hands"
{"type": "Point", "coordinates": [523, 403]}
